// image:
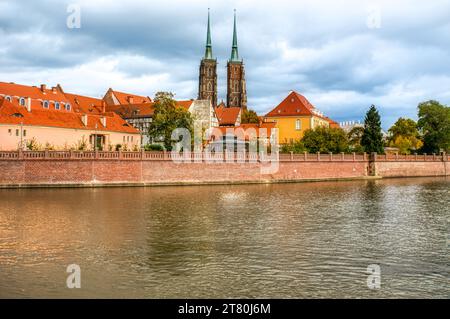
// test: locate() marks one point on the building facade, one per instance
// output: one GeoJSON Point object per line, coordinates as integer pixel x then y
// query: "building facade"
{"type": "Point", "coordinates": [38, 118]}
{"type": "Point", "coordinates": [294, 115]}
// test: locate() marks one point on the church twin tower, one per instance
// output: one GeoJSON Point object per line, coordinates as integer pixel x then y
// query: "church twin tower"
{"type": "Point", "coordinates": [207, 87]}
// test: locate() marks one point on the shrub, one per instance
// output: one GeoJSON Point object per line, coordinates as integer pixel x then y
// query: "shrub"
{"type": "Point", "coordinates": [153, 147]}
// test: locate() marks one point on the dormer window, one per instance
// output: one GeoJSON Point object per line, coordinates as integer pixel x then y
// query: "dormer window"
{"type": "Point", "coordinates": [8, 98]}
{"type": "Point", "coordinates": [45, 104]}
{"type": "Point", "coordinates": [57, 106]}
{"type": "Point", "coordinates": [17, 115]}
{"type": "Point", "coordinates": [22, 101]}
{"type": "Point", "coordinates": [67, 106]}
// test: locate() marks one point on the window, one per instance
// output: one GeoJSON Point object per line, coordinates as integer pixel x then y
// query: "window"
{"type": "Point", "coordinates": [67, 106]}
{"type": "Point", "coordinates": [17, 132]}
{"type": "Point", "coordinates": [22, 101]}
{"type": "Point", "coordinates": [298, 125]}
{"type": "Point", "coordinates": [9, 131]}
{"type": "Point", "coordinates": [124, 139]}
{"type": "Point", "coordinates": [45, 104]}
{"type": "Point", "coordinates": [8, 98]}
{"type": "Point", "coordinates": [24, 132]}
{"type": "Point", "coordinates": [57, 106]}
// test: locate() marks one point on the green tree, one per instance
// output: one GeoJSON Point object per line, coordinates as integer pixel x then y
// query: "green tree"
{"type": "Point", "coordinates": [354, 139]}
{"type": "Point", "coordinates": [249, 116]}
{"type": "Point", "coordinates": [325, 140]}
{"type": "Point", "coordinates": [372, 138]}
{"type": "Point", "coordinates": [434, 121]}
{"type": "Point", "coordinates": [167, 117]}
{"type": "Point", "coordinates": [404, 135]}
{"type": "Point", "coordinates": [295, 147]}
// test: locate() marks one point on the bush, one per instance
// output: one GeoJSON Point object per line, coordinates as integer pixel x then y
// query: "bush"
{"type": "Point", "coordinates": [295, 147]}
{"type": "Point", "coordinates": [325, 140]}
{"type": "Point", "coordinates": [153, 147]}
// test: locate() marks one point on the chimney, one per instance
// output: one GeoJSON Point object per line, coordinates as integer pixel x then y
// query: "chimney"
{"type": "Point", "coordinates": [103, 120]}
{"type": "Point", "coordinates": [28, 104]}
{"type": "Point", "coordinates": [103, 106]}
{"type": "Point", "coordinates": [84, 119]}
{"type": "Point", "coordinates": [130, 99]}
{"type": "Point", "coordinates": [54, 89]}
{"type": "Point", "coordinates": [43, 87]}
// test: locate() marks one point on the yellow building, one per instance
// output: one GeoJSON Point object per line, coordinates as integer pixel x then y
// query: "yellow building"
{"type": "Point", "coordinates": [294, 115]}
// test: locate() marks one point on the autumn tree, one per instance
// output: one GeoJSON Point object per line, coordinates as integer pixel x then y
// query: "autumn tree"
{"type": "Point", "coordinates": [404, 135]}
{"type": "Point", "coordinates": [249, 116]}
{"type": "Point", "coordinates": [167, 117]}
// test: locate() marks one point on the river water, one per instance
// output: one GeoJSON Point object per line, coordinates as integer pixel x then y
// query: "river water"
{"type": "Point", "coordinates": [301, 240]}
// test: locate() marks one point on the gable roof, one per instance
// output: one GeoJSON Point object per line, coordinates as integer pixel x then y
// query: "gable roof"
{"type": "Point", "coordinates": [85, 104]}
{"type": "Point", "coordinates": [227, 115]}
{"type": "Point", "coordinates": [125, 98]}
{"type": "Point", "coordinates": [294, 104]}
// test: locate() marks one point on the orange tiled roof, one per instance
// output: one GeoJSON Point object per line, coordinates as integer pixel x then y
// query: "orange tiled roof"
{"type": "Point", "coordinates": [227, 115]}
{"type": "Point", "coordinates": [85, 104]}
{"type": "Point", "coordinates": [141, 109]}
{"type": "Point", "coordinates": [37, 94]}
{"type": "Point", "coordinates": [11, 114]}
{"type": "Point", "coordinates": [124, 98]}
{"type": "Point", "coordinates": [294, 104]}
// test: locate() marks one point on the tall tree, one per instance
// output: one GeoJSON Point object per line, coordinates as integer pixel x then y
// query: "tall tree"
{"type": "Point", "coordinates": [434, 121]}
{"type": "Point", "coordinates": [249, 116]}
{"type": "Point", "coordinates": [404, 135]}
{"type": "Point", "coordinates": [372, 138]}
{"type": "Point", "coordinates": [167, 117]}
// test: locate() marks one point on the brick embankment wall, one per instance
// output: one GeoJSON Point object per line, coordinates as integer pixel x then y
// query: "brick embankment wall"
{"type": "Point", "coordinates": [53, 168]}
{"type": "Point", "coordinates": [412, 169]}
{"type": "Point", "coordinates": [102, 172]}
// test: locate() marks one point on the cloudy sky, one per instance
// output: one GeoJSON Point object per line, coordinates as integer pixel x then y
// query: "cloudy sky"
{"type": "Point", "coordinates": [342, 55]}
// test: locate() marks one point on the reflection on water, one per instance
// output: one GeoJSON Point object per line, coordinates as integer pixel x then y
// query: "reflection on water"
{"type": "Point", "coordinates": [285, 240]}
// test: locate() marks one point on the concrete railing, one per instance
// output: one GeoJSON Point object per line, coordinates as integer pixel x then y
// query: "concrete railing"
{"type": "Point", "coordinates": [223, 156]}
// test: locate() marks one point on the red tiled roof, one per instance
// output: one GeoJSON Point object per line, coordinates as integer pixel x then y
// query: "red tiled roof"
{"type": "Point", "coordinates": [124, 98]}
{"type": "Point", "coordinates": [11, 114]}
{"type": "Point", "coordinates": [294, 104]}
{"type": "Point", "coordinates": [85, 104]}
{"type": "Point", "coordinates": [227, 115]}
{"type": "Point", "coordinates": [142, 109]}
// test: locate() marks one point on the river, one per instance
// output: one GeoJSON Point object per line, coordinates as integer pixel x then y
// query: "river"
{"type": "Point", "coordinates": [305, 240]}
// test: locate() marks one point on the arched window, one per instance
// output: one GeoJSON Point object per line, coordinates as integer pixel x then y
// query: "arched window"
{"type": "Point", "coordinates": [57, 106]}
{"type": "Point", "coordinates": [236, 86]}
{"type": "Point", "coordinates": [209, 86]}
{"type": "Point", "coordinates": [67, 106]}
{"type": "Point", "coordinates": [22, 101]}
{"type": "Point", "coordinates": [8, 98]}
{"type": "Point", "coordinates": [45, 104]}
{"type": "Point", "coordinates": [298, 124]}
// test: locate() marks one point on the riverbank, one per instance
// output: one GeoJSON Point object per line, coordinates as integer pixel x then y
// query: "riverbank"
{"type": "Point", "coordinates": [113, 169]}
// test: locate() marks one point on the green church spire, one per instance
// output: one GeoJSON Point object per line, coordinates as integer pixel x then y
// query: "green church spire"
{"type": "Point", "coordinates": [208, 51]}
{"type": "Point", "coordinates": [234, 48]}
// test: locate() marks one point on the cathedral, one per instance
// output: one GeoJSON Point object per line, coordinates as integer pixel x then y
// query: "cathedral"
{"type": "Point", "coordinates": [236, 88]}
